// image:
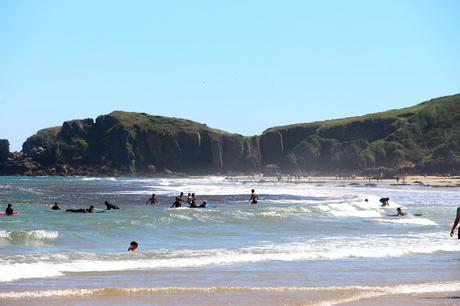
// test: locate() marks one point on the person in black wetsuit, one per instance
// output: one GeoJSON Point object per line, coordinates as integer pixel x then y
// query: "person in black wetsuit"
{"type": "Point", "coordinates": [181, 197]}
{"type": "Point", "coordinates": [55, 206]}
{"type": "Point", "coordinates": [153, 199]}
{"type": "Point", "coordinates": [110, 206]}
{"type": "Point", "coordinates": [254, 197]}
{"type": "Point", "coordinates": [82, 210]}
{"type": "Point", "coordinates": [9, 210]}
{"type": "Point", "coordinates": [457, 219]}
{"type": "Point", "coordinates": [177, 203]}
{"type": "Point", "coordinates": [385, 202]}
{"type": "Point", "coordinates": [399, 213]}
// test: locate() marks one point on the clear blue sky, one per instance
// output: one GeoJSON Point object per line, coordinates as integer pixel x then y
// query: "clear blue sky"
{"type": "Point", "coordinates": [241, 66]}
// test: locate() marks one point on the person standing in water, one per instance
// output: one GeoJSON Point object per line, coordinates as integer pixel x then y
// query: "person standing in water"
{"type": "Point", "coordinates": [153, 200]}
{"type": "Point", "coordinates": [457, 219]}
{"type": "Point", "coordinates": [254, 197]}
{"type": "Point", "coordinates": [192, 201]}
{"type": "Point", "coordinates": [177, 203]}
{"type": "Point", "coordinates": [9, 210]}
{"type": "Point", "coordinates": [181, 197]}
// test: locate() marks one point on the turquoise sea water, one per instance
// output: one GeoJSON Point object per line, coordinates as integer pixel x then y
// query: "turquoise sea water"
{"type": "Point", "coordinates": [299, 235]}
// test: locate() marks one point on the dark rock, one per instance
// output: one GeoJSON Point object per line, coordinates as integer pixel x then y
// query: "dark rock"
{"type": "Point", "coordinates": [4, 149]}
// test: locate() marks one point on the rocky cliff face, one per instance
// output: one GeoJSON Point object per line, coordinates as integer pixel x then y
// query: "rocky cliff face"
{"type": "Point", "coordinates": [4, 149]}
{"type": "Point", "coordinates": [425, 138]}
{"type": "Point", "coordinates": [135, 143]}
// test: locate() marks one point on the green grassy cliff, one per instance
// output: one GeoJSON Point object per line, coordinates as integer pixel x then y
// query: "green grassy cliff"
{"type": "Point", "coordinates": [423, 138]}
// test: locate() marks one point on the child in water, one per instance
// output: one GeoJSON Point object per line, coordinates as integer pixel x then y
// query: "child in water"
{"type": "Point", "coordinates": [132, 246]}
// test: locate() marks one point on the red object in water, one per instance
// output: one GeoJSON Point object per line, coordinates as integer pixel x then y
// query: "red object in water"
{"type": "Point", "coordinates": [3, 213]}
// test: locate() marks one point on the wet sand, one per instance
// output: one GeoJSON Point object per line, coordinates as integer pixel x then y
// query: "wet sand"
{"type": "Point", "coordinates": [237, 296]}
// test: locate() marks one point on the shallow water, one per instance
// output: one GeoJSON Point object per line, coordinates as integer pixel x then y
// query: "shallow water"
{"type": "Point", "coordinates": [300, 237]}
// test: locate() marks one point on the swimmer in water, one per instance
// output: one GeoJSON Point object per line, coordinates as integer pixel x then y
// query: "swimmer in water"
{"type": "Point", "coordinates": [254, 197]}
{"type": "Point", "coordinates": [55, 206]}
{"type": "Point", "coordinates": [457, 219]}
{"type": "Point", "coordinates": [153, 200]}
{"type": "Point", "coordinates": [399, 213]}
{"type": "Point", "coordinates": [82, 210]}
{"type": "Point", "coordinates": [132, 246]}
{"type": "Point", "coordinates": [110, 206]}
{"type": "Point", "coordinates": [177, 203]}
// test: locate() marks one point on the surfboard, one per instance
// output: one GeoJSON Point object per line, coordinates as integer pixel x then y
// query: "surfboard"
{"type": "Point", "coordinates": [3, 213]}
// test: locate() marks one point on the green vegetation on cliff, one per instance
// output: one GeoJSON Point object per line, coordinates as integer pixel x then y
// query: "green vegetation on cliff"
{"type": "Point", "coordinates": [425, 137]}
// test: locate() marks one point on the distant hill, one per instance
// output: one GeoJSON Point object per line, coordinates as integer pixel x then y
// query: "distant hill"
{"type": "Point", "coordinates": [422, 138]}
{"type": "Point", "coordinates": [425, 137]}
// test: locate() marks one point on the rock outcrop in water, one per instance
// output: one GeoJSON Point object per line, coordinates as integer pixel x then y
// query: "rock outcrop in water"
{"type": "Point", "coordinates": [423, 138]}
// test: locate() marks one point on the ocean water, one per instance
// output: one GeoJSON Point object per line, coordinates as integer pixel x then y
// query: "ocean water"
{"type": "Point", "coordinates": [303, 243]}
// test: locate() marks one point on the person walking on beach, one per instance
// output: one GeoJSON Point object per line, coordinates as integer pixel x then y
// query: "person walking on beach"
{"type": "Point", "coordinates": [153, 200]}
{"type": "Point", "coordinates": [457, 219]}
{"type": "Point", "coordinates": [254, 197]}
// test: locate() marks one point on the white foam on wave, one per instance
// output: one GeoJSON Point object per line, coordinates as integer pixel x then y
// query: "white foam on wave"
{"type": "Point", "coordinates": [99, 179]}
{"type": "Point", "coordinates": [29, 235]}
{"type": "Point", "coordinates": [329, 248]}
{"type": "Point", "coordinates": [407, 221]}
{"type": "Point", "coordinates": [350, 209]}
{"type": "Point", "coordinates": [362, 291]}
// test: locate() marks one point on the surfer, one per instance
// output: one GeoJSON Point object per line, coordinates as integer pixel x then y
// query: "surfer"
{"type": "Point", "coordinates": [457, 219]}
{"type": "Point", "coordinates": [399, 213]}
{"type": "Point", "coordinates": [55, 206]}
{"type": "Point", "coordinates": [82, 210]}
{"type": "Point", "coordinates": [385, 202]}
{"type": "Point", "coordinates": [9, 210]}
{"type": "Point", "coordinates": [110, 206]}
{"type": "Point", "coordinates": [177, 203]}
{"type": "Point", "coordinates": [254, 197]}
{"type": "Point", "coordinates": [132, 246]}
{"type": "Point", "coordinates": [203, 205]}
{"type": "Point", "coordinates": [153, 200]}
